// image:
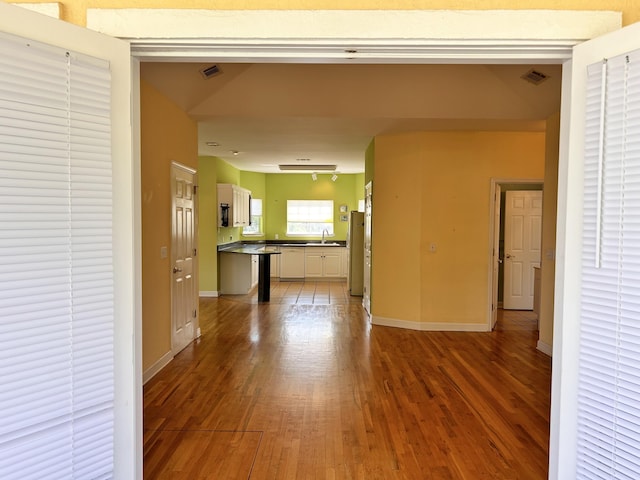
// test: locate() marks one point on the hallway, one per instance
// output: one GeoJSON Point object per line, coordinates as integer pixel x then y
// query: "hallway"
{"type": "Point", "coordinates": [303, 391]}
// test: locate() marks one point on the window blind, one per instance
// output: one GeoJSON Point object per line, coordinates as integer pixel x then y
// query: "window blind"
{"type": "Point", "coordinates": [609, 358]}
{"type": "Point", "coordinates": [56, 294]}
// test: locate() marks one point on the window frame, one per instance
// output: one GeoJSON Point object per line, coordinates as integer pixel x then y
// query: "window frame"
{"type": "Point", "coordinates": [330, 226]}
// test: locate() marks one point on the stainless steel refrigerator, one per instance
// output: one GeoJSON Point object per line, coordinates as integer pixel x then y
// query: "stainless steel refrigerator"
{"type": "Point", "coordinates": [355, 247]}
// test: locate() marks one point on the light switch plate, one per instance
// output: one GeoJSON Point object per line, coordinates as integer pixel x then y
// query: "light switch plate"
{"type": "Point", "coordinates": [163, 252]}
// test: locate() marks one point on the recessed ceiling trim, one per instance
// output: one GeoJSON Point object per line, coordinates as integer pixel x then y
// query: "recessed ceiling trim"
{"type": "Point", "coordinates": [307, 167]}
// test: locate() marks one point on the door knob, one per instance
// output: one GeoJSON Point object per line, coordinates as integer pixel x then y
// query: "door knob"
{"type": "Point", "coordinates": [508, 256]}
{"type": "Point", "coordinates": [176, 269]}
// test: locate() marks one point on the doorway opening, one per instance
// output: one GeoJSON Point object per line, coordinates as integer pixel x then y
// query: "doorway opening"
{"type": "Point", "coordinates": [498, 254]}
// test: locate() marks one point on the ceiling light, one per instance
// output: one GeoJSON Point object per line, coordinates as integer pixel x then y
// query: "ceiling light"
{"type": "Point", "coordinates": [314, 177]}
{"type": "Point", "coordinates": [212, 144]}
{"type": "Point", "coordinates": [306, 167]}
{"type": "Point", "coordinates": [235, 153]}
{"type": "Point", "coordinates": [334, 177]}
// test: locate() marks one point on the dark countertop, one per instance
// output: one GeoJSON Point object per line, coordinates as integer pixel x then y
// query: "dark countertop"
{"type": "Point", "coordinates": [262, 247]}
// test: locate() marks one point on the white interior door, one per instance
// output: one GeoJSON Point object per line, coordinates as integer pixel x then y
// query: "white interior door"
{"type": "Point", "coordinates": [496, 257]}
{"type": "Point", "coordinates": [184, 287]}
{"type": "Point", "coordinates": [522, 237]}
{"type": "Point", "coordinates": [126, 375]}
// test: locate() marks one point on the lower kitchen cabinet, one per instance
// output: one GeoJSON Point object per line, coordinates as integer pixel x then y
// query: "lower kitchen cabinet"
{"type": "Point", "coordinates": [238, 273]}
{"type": "Point", "coordinates": [323, 262]}
{"type": "Point", "coordinates": [292, 262]}
{"type": "Point", "coordinates": [275, 263]}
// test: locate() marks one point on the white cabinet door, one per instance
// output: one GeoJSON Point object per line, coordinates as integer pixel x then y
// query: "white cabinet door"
{"type": "Point", "coordinates": [292, 262]}
{"type": "Point", "coordinates": [313, 262]}
{"type": "Point", "coordinates": [324, 262]}
{"type": "Point", "coordinates": [344, 262]}
{"type": "Point", "coordinates": [255, 266]}
{"type": "Point", "coordinates": [331, 263]}
{"type": "Point", "coordinates": [237, 198]}
{"type": "Point", "coordinates": [275, 263]}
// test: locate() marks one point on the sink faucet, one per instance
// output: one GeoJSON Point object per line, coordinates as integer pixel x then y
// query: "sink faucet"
{"type": "Point", "coordinates": [323, 232]}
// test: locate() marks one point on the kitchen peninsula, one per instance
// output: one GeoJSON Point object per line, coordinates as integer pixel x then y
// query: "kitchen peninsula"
{"type": "Point", "coordinates": [245, 264]}
{"type": "Point", "coordinates": [236, 256]}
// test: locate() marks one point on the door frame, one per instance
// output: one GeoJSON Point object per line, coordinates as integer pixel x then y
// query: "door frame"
{"type": "Point", "coordinates": [495, 182]}
{"type": "Point", "coordinates": [159, 35]}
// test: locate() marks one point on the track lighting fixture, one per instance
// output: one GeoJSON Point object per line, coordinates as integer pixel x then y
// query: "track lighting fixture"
{"type": "Point", "coordinates": [314, 177]}
{"type": "Point", "coordinates": [334, 177]}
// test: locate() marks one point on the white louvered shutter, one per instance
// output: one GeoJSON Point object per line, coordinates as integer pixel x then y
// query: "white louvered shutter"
{"type": "Point", "coordinates": [609, 362]}
{"type": "Point", "coordinates": [56, 294]}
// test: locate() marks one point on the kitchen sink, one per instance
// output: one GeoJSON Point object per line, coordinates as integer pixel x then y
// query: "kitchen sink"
{"type": "Point", "coordinates": [326, 244]}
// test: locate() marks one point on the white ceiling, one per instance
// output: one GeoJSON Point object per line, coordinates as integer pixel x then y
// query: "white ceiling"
{"type": "Point", "coordinates": [279, 113]}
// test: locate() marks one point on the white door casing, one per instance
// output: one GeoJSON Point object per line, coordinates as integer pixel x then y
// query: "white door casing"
{"type": "Point", "coordinates": [184, 287]}
{"type": "Point", "coordinates": [495, 265]}
{"type": "Point", "coordinates": [126, 221]}
{"type": "Point", "coordinates": [522, 240]}
{"type": "Point", "coordinates": [368, 212]}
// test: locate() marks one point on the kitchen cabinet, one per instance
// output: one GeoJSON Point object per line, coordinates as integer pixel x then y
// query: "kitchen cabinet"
{"type": "Point", "coordinates": [275, 263]}
{"type": "Point", "coordinates": [323, 262]}
{"type": "Point", "coordinates": [292, 264]}
{"type": "Point", "coordinates": [238, 273]}
{"type": "Point", "coordinates": [238, 200]}
{"type": "Point", "coordinates": [344, 262]}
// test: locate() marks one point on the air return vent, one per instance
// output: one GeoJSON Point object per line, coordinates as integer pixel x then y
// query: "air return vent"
{"type": "Point", "coordinates": [210, 71]}
{"type": "Point", "coordinates": [535, 76]}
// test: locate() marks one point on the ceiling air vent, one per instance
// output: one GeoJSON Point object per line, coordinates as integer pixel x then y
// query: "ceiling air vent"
{"type": "Point", "coordinates": [210, 71]}
{"type": "Point", "coordinates": [534, 76]}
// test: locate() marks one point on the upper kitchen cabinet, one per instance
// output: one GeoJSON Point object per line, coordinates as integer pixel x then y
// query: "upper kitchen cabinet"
{"type": "Point", "coordinates": [234, 206]}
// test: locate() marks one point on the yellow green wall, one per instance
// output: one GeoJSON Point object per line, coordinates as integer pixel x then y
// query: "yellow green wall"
{"type": "Point", "coordinates": [434, 187]}
{"type": "Point", "coordinates": [294, 186]}
{"type": "Point", "coordinates": [207, 224]}
{"type": "Point", "coordinates": [75, 11]}
{"type": "Point", "coordinates": [167, 135]}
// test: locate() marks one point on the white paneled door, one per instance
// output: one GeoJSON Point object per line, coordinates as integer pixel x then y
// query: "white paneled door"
{"type": "Point", "coordinates": [522, 237]}
{"type": "Point", "coordinates": [184, 288]}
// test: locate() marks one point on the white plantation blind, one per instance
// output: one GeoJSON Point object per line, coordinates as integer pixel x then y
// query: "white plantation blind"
{"type": "Point", "coordinates": [56, 291]}
{"type": "Point", "coordinates": [309, 217]}
{"type": "Point", "coordinates": [609, 371]}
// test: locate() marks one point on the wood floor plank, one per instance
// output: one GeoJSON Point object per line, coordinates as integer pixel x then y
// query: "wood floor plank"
{"type": "Point", "coordinates": [333, 397]}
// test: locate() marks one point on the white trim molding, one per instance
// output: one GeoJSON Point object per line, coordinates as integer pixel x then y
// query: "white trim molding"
{"type": "Point", "coordinates": [353, 36]}
{"type": "Point", "coordinates": [545, 348]}
{"type": "Point", "coordinates": [162, 362]}
{"type": "Point", "coordinates": [209, 293]}
{"type": "Point", "coordinates": [428, 326]}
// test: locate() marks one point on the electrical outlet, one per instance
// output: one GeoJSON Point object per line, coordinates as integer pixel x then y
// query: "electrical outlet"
{"type": "Point", "coordinates": [277, 236]}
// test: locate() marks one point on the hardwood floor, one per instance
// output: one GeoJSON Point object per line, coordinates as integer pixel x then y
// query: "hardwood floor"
{"type": "Point", "coordinates": [309, 391]}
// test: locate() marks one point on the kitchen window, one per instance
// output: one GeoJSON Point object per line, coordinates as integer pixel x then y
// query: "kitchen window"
{"type": "Point", "coordinates": [255, 228]}
{"type": "Point", "coordinates": [309, 217]}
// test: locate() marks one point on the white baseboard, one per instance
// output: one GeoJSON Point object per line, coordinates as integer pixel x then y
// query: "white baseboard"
{"type": "Point", "coordinates": [209, 293]}
{"type": "Point", "coordinates": [429, 326]}
{"type": "Point", "coordinates": [545, 348]}
{"type": "Point", "coordinates": [156, 367]}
